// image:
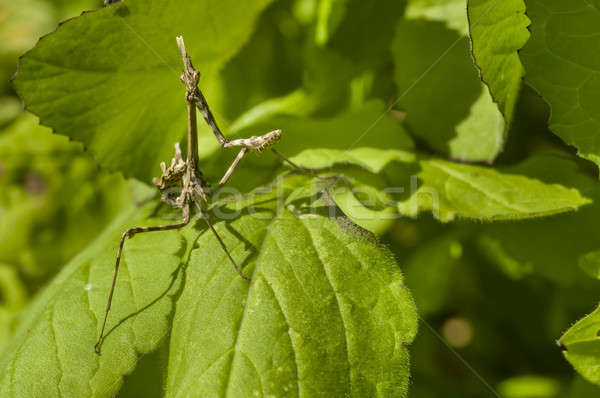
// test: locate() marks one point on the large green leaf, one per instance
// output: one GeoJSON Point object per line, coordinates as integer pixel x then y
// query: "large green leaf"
{"type": "Point", "coordinates": [326, 310]}
{"type": "Point", "coordinates": [110, 77]}
{"type": "Point", "coordinates": [559, 66]}
{"type": "Point", "coordinates": [453, 190]}
{"type": "Point", "coordinates": [51, 353]}
{"type": "Point", "coordinates": [582, 346]}
{"type": "Point", "coordinates": [438, 86]}
{"type": "Point", "coordinates": [498, 30]}
{"type": "Point", "coordinates": [326, 313]}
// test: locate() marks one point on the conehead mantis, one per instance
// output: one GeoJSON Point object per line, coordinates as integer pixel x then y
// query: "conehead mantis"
{"type": "Point", "coordinates": [195, 190]}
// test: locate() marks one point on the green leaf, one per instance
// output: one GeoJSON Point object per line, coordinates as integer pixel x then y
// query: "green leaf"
{"type": "Point", "coordinates": [550, 255]}
{"type": "Point", "coordinates": [326, 311]}
{"type": "Point", "coordinates": [455, 116]}
{"type": "Point", "coordinates": [453, 190]}
{"type": "Point", "coordinates": [498, 30]}
{"type": "Point", "coordinates": [51, 353]}
{"type": "Point", "coordinates": [559, 66]}
{"type": "Point", "coordinates": [110, 78]}
{"type": "Point", "coordinates": [582, 346]}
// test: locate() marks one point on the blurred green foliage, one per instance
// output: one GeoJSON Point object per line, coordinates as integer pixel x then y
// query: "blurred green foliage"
{"type": "Point", "coordinates": [493, 296]}
{"type": "Point", "coordinates": [54, 199]}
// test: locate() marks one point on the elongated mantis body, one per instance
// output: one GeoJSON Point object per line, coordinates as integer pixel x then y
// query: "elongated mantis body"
{"type": "Point", "coordinates": [185, 172]}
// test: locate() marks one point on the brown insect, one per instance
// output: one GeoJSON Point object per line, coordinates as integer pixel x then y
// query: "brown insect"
{"type": "Point", "coordinates": [195, 190]}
